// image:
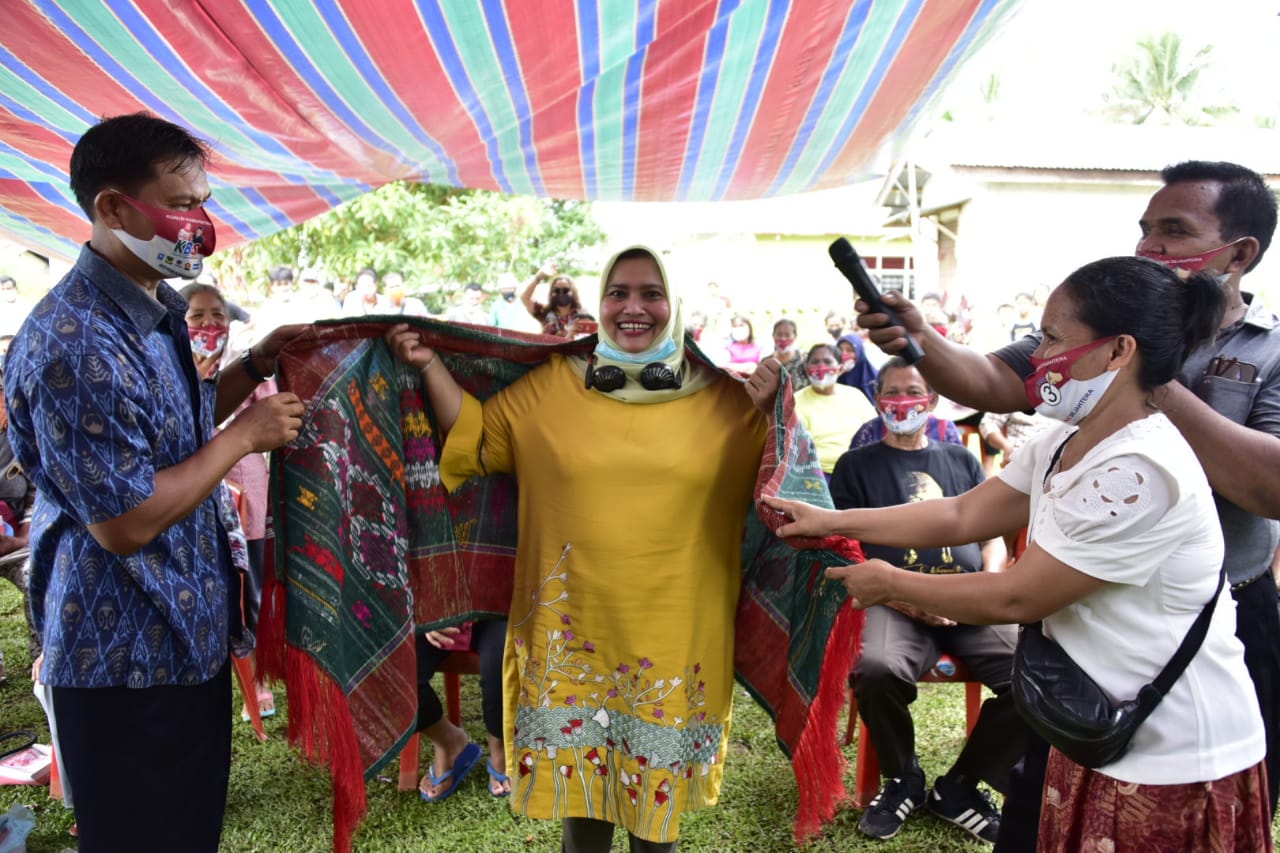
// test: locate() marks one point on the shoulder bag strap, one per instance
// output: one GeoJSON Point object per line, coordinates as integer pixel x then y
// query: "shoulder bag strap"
{"type": "Point", "coordinates": [1151, 694]}
{"type": "Point", "coordinates": [1161, 684]}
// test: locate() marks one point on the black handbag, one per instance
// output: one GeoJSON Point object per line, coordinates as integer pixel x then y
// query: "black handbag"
{"type": "Point", "coordinates": [1067, 708]}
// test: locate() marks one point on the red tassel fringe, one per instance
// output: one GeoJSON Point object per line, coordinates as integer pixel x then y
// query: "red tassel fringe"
{"type": "Point", "coordinates": [321, 727]}
{"type": "Point", "coordinates": [817, 761]}
{"type": "Point", "coordinates": [271, 631]}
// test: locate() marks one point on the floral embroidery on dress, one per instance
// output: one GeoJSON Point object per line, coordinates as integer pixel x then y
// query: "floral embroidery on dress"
{"type": "Point", "coordinates": [634, 743]}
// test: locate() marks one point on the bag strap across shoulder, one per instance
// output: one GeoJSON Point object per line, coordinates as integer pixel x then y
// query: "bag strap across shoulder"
{"type": "Point", "coordinates": [1151, 694]}
{"type": "Point", "coordinates": [1163, 682]}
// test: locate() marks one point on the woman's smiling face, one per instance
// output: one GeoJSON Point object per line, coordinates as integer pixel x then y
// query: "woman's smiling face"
{"type": "Point", "coordinates": [205, 309]}
{"type": "Point", "coordinates": [634, 309]}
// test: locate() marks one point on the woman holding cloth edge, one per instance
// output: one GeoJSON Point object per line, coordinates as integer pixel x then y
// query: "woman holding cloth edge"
{"type": "Point", "coordinates": [1124, 553]}
{"type": "Point", "coordinates": [635, 465]}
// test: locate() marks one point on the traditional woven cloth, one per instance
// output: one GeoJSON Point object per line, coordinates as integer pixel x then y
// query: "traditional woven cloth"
{"type": "Point", "coordinates": [370, 549]}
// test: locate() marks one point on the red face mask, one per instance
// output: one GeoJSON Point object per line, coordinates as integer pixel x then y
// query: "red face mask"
{"type": "Point", "coordinates": [1190, 263]}
{"type": "Point", "coordinates": [207, 340]}
{"type": "Point", "coordinates": [1050, 374]}
{"type": "Point", "coordinates": [783, 344]}
{"type": "Point", "coordinates": [175, 225]}
{"type": "Point", "coordinates": [183, 239]}
{"type": "Point", "coordinates": [900, 407]}
{"type": "Point", "coordinates": [821, 371]}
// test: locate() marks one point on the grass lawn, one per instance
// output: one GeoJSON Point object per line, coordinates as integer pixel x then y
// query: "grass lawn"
{"type": "Point", "coordinates": [278, 803]}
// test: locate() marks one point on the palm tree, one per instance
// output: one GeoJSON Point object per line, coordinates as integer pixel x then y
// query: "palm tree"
{"type": "Point", "coordinates": [1161, 85]}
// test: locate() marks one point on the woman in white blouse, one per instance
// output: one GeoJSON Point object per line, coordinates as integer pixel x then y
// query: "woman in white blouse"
{"type": "Point", "coordinates": [1125, 551]}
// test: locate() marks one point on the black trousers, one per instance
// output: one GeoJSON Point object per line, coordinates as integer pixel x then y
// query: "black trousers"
{"type": "Point", "coordinates": [896, 651]}
{"type": "Point", "coordinates": [1020, 816]}
{"type": "Point", "coordinates": [149, 767]}
{"type": "Point", "coordinates": [488, 640]}
{"type": "Point", "coordinates": [253, 583]}
{"type": "Point", "coordinates": [588, 835]}
{"type": "Point", "coordinates": [1258, 627]}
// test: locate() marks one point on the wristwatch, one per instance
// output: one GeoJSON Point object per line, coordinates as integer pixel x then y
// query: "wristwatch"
{"type": "Point", "coordinates": [251, 369]}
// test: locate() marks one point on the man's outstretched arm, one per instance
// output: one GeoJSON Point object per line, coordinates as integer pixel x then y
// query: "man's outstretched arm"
{"type": "Point", "coordinates": [957, 372]}
{"type": "Point", "coordinates": [1241, 462]}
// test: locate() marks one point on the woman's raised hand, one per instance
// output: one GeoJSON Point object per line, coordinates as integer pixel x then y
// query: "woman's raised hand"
{"type": "Point", "coordinates": [762, 385]}
{"type": "Point", "coordinates": [442, 391]}
{"type": "Point", "coordinates": [406, 345]}
{"type": "Point", "coordinates": [806, 519]}
{"type": "Point", "coordinates": [207, 366]}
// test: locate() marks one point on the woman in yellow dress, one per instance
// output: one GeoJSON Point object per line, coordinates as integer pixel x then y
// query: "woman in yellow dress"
{"type": "Point", "coordinates": [636, 468]}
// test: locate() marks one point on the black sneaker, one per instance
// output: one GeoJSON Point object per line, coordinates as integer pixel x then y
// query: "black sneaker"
{"type": "Point", "coordinates": [968, 807]}
{"type": "Point", "coordinates": [888, 811]}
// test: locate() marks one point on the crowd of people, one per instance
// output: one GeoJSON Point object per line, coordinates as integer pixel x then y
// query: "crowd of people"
{"type": "Point", "coordinates": [1141, 494]}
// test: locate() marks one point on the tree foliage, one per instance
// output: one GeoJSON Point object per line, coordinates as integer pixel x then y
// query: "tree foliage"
{"type": "Point", "coordinates": [1161, 84]}
{"type": "Point", "coordinates": [439, 237]}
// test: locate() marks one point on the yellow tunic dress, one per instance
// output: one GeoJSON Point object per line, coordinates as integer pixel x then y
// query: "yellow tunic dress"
{"type": "Point", "coordinates": [619, 660]}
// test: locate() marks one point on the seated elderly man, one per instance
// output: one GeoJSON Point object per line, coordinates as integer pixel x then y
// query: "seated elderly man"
{"type": "Point", "coordinates": [900, 643]}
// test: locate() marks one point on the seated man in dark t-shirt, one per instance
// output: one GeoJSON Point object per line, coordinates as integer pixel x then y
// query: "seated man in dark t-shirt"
{"type": "Point", "coordinates": [900, 643]}
{"type": "Point", "coordinates": [1214, 216]}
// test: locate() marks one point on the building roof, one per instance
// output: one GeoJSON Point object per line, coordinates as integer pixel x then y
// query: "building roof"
{"type": "Point", "coordinates": [1098, 148]}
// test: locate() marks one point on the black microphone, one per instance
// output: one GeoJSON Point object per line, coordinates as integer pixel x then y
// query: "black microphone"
{"type": "Point", "coordinates": [848, 262]}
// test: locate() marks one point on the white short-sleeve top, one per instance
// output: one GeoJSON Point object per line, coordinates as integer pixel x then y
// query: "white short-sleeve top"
{"type": "Point", "coordinates": [1137, 512]}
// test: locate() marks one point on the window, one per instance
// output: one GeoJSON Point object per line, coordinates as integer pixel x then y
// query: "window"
{"type": "Point", "coordinates": [893, 272]}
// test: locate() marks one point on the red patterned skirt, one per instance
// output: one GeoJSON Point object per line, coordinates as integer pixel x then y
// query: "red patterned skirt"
{"type": "Point", "coordinates": [1085, 811]}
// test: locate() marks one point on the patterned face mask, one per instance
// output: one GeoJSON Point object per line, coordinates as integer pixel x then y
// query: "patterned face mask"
{"type": "Point", "coordinates": [183, 239]}
{"type": "Point", "coordinates": [822, 375]}
{"type": "Point", "coordinates": [1054, 394]}
{"type": "Point", "coordinates": [207, 340]}
{"type": "Point", "coordinates": [903, 415]}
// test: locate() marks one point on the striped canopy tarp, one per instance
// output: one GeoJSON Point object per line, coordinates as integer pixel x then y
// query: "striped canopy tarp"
{"type": "Point", "coordinates": [309, 103]}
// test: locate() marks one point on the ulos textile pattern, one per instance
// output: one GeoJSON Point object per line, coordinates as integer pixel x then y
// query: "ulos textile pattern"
{"type": "Point", "coordinates": [369, 549]}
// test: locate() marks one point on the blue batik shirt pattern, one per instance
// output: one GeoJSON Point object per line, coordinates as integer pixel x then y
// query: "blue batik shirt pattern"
{"type": "Point", "coordinates": [103, 394]}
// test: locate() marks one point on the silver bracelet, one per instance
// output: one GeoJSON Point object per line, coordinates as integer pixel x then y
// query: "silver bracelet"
{"type": "Point", "coordinates": [427, 366]}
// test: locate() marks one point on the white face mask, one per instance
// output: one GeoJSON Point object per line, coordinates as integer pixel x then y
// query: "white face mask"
{"type": "Point", "coordinates": [822, 376]}
{"type": "Point", "coordinates": [1055, 394]}
{"type": "Point", "coordinates": [157, 253]}
{"type": "Point", "coordinates": [1073, 400]}
{"type": "Point", "coordinates": [904, 415]}
{"type": "Point", "coordinates": [182, 240]}
{"type": "Point", "coordinates": [739, 333]}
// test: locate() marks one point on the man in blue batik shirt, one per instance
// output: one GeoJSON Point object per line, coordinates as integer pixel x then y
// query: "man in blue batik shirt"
{"type": "Point", "coordinates": [132, 586]}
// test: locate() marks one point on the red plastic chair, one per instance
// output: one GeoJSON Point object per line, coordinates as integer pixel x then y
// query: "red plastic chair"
{"type": "Point", "coordinates": [455, 665]}
{"type": "Point", "coordinates": [967, 434]}
{"type": "Point", "coordinates": [867, 770]}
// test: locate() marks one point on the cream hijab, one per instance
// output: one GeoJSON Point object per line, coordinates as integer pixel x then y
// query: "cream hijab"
{"type": "Point", "coordinates": [668, 347]}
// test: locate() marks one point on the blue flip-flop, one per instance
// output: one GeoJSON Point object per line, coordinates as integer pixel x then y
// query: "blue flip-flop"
{"type": "Point", "coordinates": [461, 767]}
{"type": "Point", "coordinates": [500, 778]}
